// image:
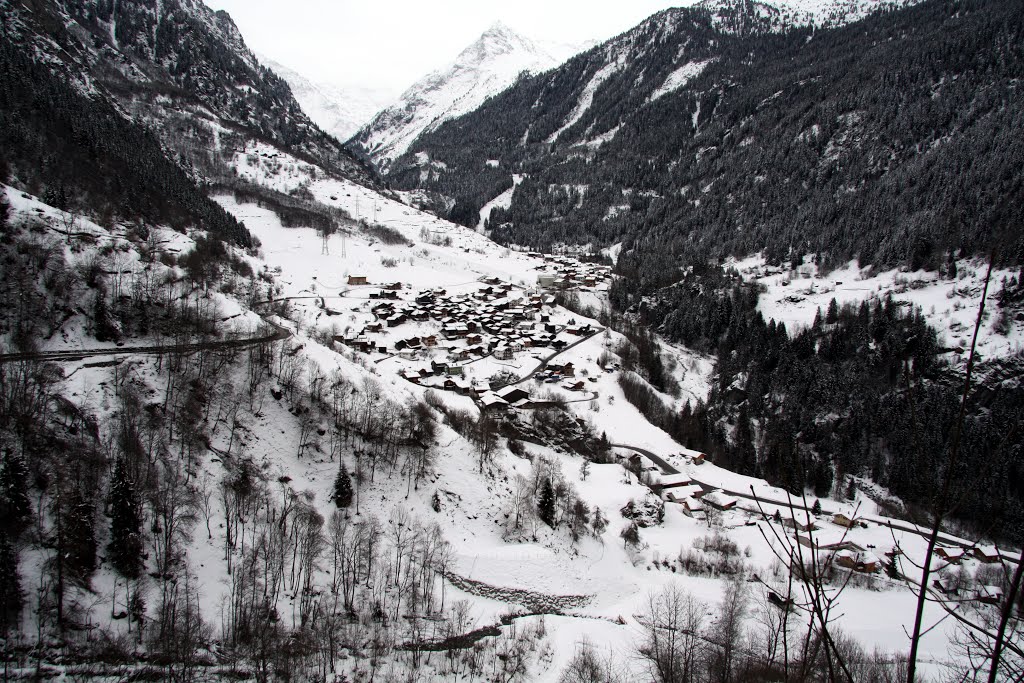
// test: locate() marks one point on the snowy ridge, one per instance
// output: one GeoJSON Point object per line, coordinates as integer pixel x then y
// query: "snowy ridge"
{"type": "Point", "coordinates": [482, 70]}
{"type": "Point", "coordinates": [825, 13]}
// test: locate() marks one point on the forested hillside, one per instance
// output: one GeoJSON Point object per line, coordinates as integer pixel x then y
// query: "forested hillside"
{"type": "Point", "coordinates": [184, 71]}
{"type": "Point", "coordinates": [891, 140]}
{"type": "Point", "coordinates": [80, 153]}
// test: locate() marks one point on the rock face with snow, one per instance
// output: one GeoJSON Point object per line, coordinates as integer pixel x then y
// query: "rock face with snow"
{"type": "Point", "coordinates": [338, 110]}
{"type": "Point", "coordinates": [181, 69]}
{"type": "Point", "coordinates": [482, 70]}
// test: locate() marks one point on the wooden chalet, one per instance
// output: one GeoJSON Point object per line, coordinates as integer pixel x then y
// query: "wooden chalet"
{"type": "Point", "coordinates": [849, 521]}
{"type": "Point", "coordinates": [491, 402]}
{"type": "Point", "coordinates": [990, 595]}
{"type": "Point", "coordinates": [865, 562]}
{"type": "Point", "coordinates": [988, 554]}
{"type": "Point", "coordinates": [952, 555]}
{"type": "Point", "coordinates": [720, 500]}
{"type": "Point", "coordinates": [512, 393]}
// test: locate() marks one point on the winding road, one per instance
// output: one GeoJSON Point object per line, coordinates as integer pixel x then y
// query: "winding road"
{"type": "Point", "coordinates": [894, 524]}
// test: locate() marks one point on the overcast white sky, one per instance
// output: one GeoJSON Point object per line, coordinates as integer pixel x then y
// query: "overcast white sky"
{"type": "Point", "coordinates": [392, 43]}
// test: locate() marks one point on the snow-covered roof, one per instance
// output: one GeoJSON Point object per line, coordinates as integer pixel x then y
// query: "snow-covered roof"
{"type": "Point", "coordinates": [719, 498]}
{"type": "Point", "coordinates": [491, 399]}
{"type": "Point", "coordinates": [673, 480]}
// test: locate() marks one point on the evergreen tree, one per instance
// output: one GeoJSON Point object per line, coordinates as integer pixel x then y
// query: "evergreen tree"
{"type": "Point", "coordinates": [5, 208]}
{"type": "Point", "coordinates": [833, 312]}
{"type": "Point", "coordinates": [631, 534]}
{"type": "Point", "coordinates": [11, 597]}
{"type": "Point", "coordinates": [343, 488]}
{"type": "Point", "coordinates": [15, 505]}
{"type": "Point", "coordinates": [546, 504]}
{"type": "Point", "coordinates": [598, 522]}
{"type": "Point", "coordinates": [816, 508]}
{"type": "Point", "coordinates": [125, 550]}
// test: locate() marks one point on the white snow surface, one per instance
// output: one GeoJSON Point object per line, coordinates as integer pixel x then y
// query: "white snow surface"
{"type": "Point", "coordinates": [503, 201]}
{"type": "Point", "coordinates": [679, 77]}
{"type": "Point", "coordinates": [950, 305]}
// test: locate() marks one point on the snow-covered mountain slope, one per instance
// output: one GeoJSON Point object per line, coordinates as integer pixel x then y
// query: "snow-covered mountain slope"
{"type": "Point", "coordinates": [181, 69]}
{"type": "Point", "coordinates": [283, 426]}
{"type": "Point", "coordinates": [485, 68]}
{"type": "Point", "coordinates": [337, 109]}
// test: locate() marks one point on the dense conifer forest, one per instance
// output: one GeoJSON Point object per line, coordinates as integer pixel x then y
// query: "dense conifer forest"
{"type": "Point", "coordinates": [892, 140]}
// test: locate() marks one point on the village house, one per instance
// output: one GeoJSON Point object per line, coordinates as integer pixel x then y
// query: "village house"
{"type": "Point", "coordinates": [951, 554]}
{"type": "Point", "coordinates": [990, 595]}
{"type": "Point", "coordinates": [490, 401]}
{"type": "Point", "coordinates": [356, 280]}
{"type": "Point", "coordinates": [679, 494]}
{"type": "Point", "coordinates": [693, 507]}
{"type": "Point", "coordinates": [566, 369]}
{"type": "Point", "coordinates": [827, 541]}
{"type": "Point", "coordinates": [849, 521]}
{"type": "Point", "coordinates": [801, 520]}
{"type": "Point", "coordinates": [720, 500]}
{"type": "Point", "coordinates": [512, 393]}
{"type": "Point", "coordinates": [860, 561]}
{"type": "Point", "coordinates": [987, 554]}
{"type": "Point", "coordinates": [672, 481]}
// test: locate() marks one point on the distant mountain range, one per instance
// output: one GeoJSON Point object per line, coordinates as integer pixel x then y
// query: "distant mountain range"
{"type": "Point", "coordinates": [485, 68]}
{"type": "Point", "coordinates": [338, 110]}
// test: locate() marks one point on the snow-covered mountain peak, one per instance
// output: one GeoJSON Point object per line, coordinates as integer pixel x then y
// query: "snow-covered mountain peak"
{"type": "Point", "coordinates": [496, 41]}
{"type": "Point", "coordinates": [484, 68]}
